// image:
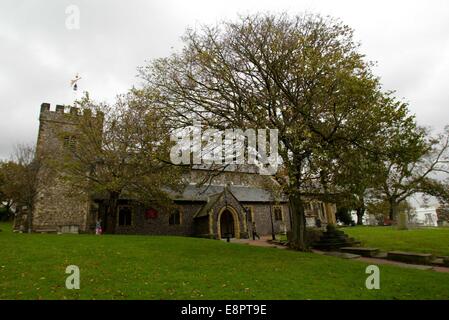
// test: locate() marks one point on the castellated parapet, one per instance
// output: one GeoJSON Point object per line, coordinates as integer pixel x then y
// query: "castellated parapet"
{"type": "Point", "coordinates": [65, 114]}
{"type": "Point", "coordinates": [58, 206]}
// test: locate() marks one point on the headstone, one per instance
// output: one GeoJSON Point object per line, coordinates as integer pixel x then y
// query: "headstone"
{"type": "Point", "coordinates": [402, 221]}
{"type": "Point", "coordinates": [372, 220]}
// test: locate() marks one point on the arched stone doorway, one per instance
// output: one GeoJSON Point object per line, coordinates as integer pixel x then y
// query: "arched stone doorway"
{"type": "Point", "coordinates": [228, 223]}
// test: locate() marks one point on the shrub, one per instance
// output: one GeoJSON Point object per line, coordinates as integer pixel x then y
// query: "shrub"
{"type": "Point", "coordinates": [343, 215]}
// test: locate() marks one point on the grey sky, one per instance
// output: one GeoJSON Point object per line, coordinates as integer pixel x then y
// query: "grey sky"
{"type": "Point", "coordinates": [39, 55]}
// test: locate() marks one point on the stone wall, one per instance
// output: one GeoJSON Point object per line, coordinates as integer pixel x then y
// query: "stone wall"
{"type": "Point", "coordinates": [201, 226]}
{"type": "Point", "coordinates": [262, 216]}
{"type": "Point", "coordinates": [160, 225]}
{"type": "Point", "coordinates": [58, 206]}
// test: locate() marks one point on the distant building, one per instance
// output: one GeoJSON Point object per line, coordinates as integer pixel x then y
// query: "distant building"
{"type": "Point", "coordinates": [425, 216]}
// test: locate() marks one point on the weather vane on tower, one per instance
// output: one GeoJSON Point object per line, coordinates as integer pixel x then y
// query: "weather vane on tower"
{"type": "Point", "coordinates": [73, 83]}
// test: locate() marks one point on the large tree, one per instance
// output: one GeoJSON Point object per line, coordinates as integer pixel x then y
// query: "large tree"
{"type": "Point", "coordinates": [302, 75]}
{"type": "Point", "coordinates": [20, 179]}
{"type": "Point", "coordinates": [357, 174]}
{"type": "Point", "coordinates": [123, 151]}
{"type": "Point", "coordinates": [412, 162]}
{"type": "Point", "coordinates": [5, 201]}
{"type": "Point", "coordinates": [381, 208]}
{"type": "Point", "coordinates": [354, 177]}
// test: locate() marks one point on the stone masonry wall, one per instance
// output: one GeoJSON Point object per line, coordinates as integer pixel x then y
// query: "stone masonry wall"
{"type": "Point", "coordinates": [160, 225]}
{"type": "Point", "coordinates": [57, 206]}
{"type": "Point", "coordinates": [262, 217]}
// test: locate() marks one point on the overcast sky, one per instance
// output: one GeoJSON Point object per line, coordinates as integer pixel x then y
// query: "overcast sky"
{"type": "Point", "coordinates": [39, 55]}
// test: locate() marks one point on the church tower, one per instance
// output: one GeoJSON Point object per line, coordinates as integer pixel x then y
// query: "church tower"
{"type": "Point", "coordinates": [58, 207]}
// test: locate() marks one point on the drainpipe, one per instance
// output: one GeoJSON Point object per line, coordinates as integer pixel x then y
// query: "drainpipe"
{"type": "Point", "coordinates": [247, 221]}
{"type": "Point", "coordinates": [273, 235]}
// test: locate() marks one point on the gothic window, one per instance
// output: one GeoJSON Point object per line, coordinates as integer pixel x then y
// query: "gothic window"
{"type": "Point", "coordinates": [277, 212]}
{"type": "Point", "coordinates": [70, 142]}
{"type": "Point", "coordinates": [125, 215]}
{"type": "Point", "coordinates": [175, 217]}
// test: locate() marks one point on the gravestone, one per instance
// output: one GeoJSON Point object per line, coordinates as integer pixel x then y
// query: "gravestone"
{"type": "Point", "coordinates": [372, 221]}
{"type": "Point", "coordinates": [402, 221]}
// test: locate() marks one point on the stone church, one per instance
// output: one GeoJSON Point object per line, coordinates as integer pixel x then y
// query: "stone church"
{"type": "Point", "coordinates": [231, 205]}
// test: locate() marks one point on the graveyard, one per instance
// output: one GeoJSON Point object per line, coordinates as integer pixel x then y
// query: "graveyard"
{"type": "Point", "coordinates": [32, 266]}
{"type": "Point", "coordinates": [388, 238]}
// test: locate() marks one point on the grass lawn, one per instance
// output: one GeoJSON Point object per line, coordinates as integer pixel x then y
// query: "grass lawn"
{"type": "Point", "coordinates": [425, 240]}
{"type": "Point", "coordinates": [147, 267]}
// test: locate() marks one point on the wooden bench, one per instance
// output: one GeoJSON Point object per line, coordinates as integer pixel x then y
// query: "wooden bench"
{"type": "Point", "coordinates": [364, 252]}
{"type": "Point", "coordinates": [410, 257]}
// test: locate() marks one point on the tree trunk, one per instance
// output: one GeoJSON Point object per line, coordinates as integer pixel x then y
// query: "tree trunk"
{"type": "Point", "coordinates": [360, 214]}
{"type": "Point", "coordinates": [9, 214]}
{"type": "Point", "coordinates": [298, 222]}
{"type": "Point", "coordinates": [112, 211]}
{"type": "Point", "coordinates": [30, 219]}
{"type": "Point", "coordinates": [393, 210]}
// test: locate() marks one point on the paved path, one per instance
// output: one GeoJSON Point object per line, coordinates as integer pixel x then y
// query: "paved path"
{"type": "Point", "coordinates": [387, 262]}
{"type": "Point", "coordinates": [263, 242]}
{"type": "Point", "coordinates": [395, 263]}
{"type": "Point", "coordinates": [404, 265]}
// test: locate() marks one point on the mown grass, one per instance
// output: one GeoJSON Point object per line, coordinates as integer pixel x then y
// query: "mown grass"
{"type": "Point", "coordinates": [147, 267]}
{"type": "Point", "coordinates": [425, 240]}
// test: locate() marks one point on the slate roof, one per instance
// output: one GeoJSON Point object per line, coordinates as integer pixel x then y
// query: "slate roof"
{"type": "Point", "coordinates": [204, 210]}
{"type": "Point", "coordinates": [242, 193]}
{"type": "Point", "coordinates": [203, 193]}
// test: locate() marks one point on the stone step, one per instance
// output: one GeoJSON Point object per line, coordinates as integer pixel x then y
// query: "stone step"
{"type": "Point", "coordinates": [446, 261]}
{"type": "Point", "coordinates": [410, 257]}
{"type": "Point", "coordinates": [353, 240]}
{"type": "Point", "coordinates": [343, 255]}
{"type": "Point", "coordinates": [438, 262]}
{"type": "Point", "coordinates": [333, 235]}
{"type": "Point", "coordinates": [364, 252]}
{"type": "Point", "coordinates": [330, 247]}
{"type": "Point", "coordinates": [381, 255]}
{"type": "Point", "coordinates": [333, 240]}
